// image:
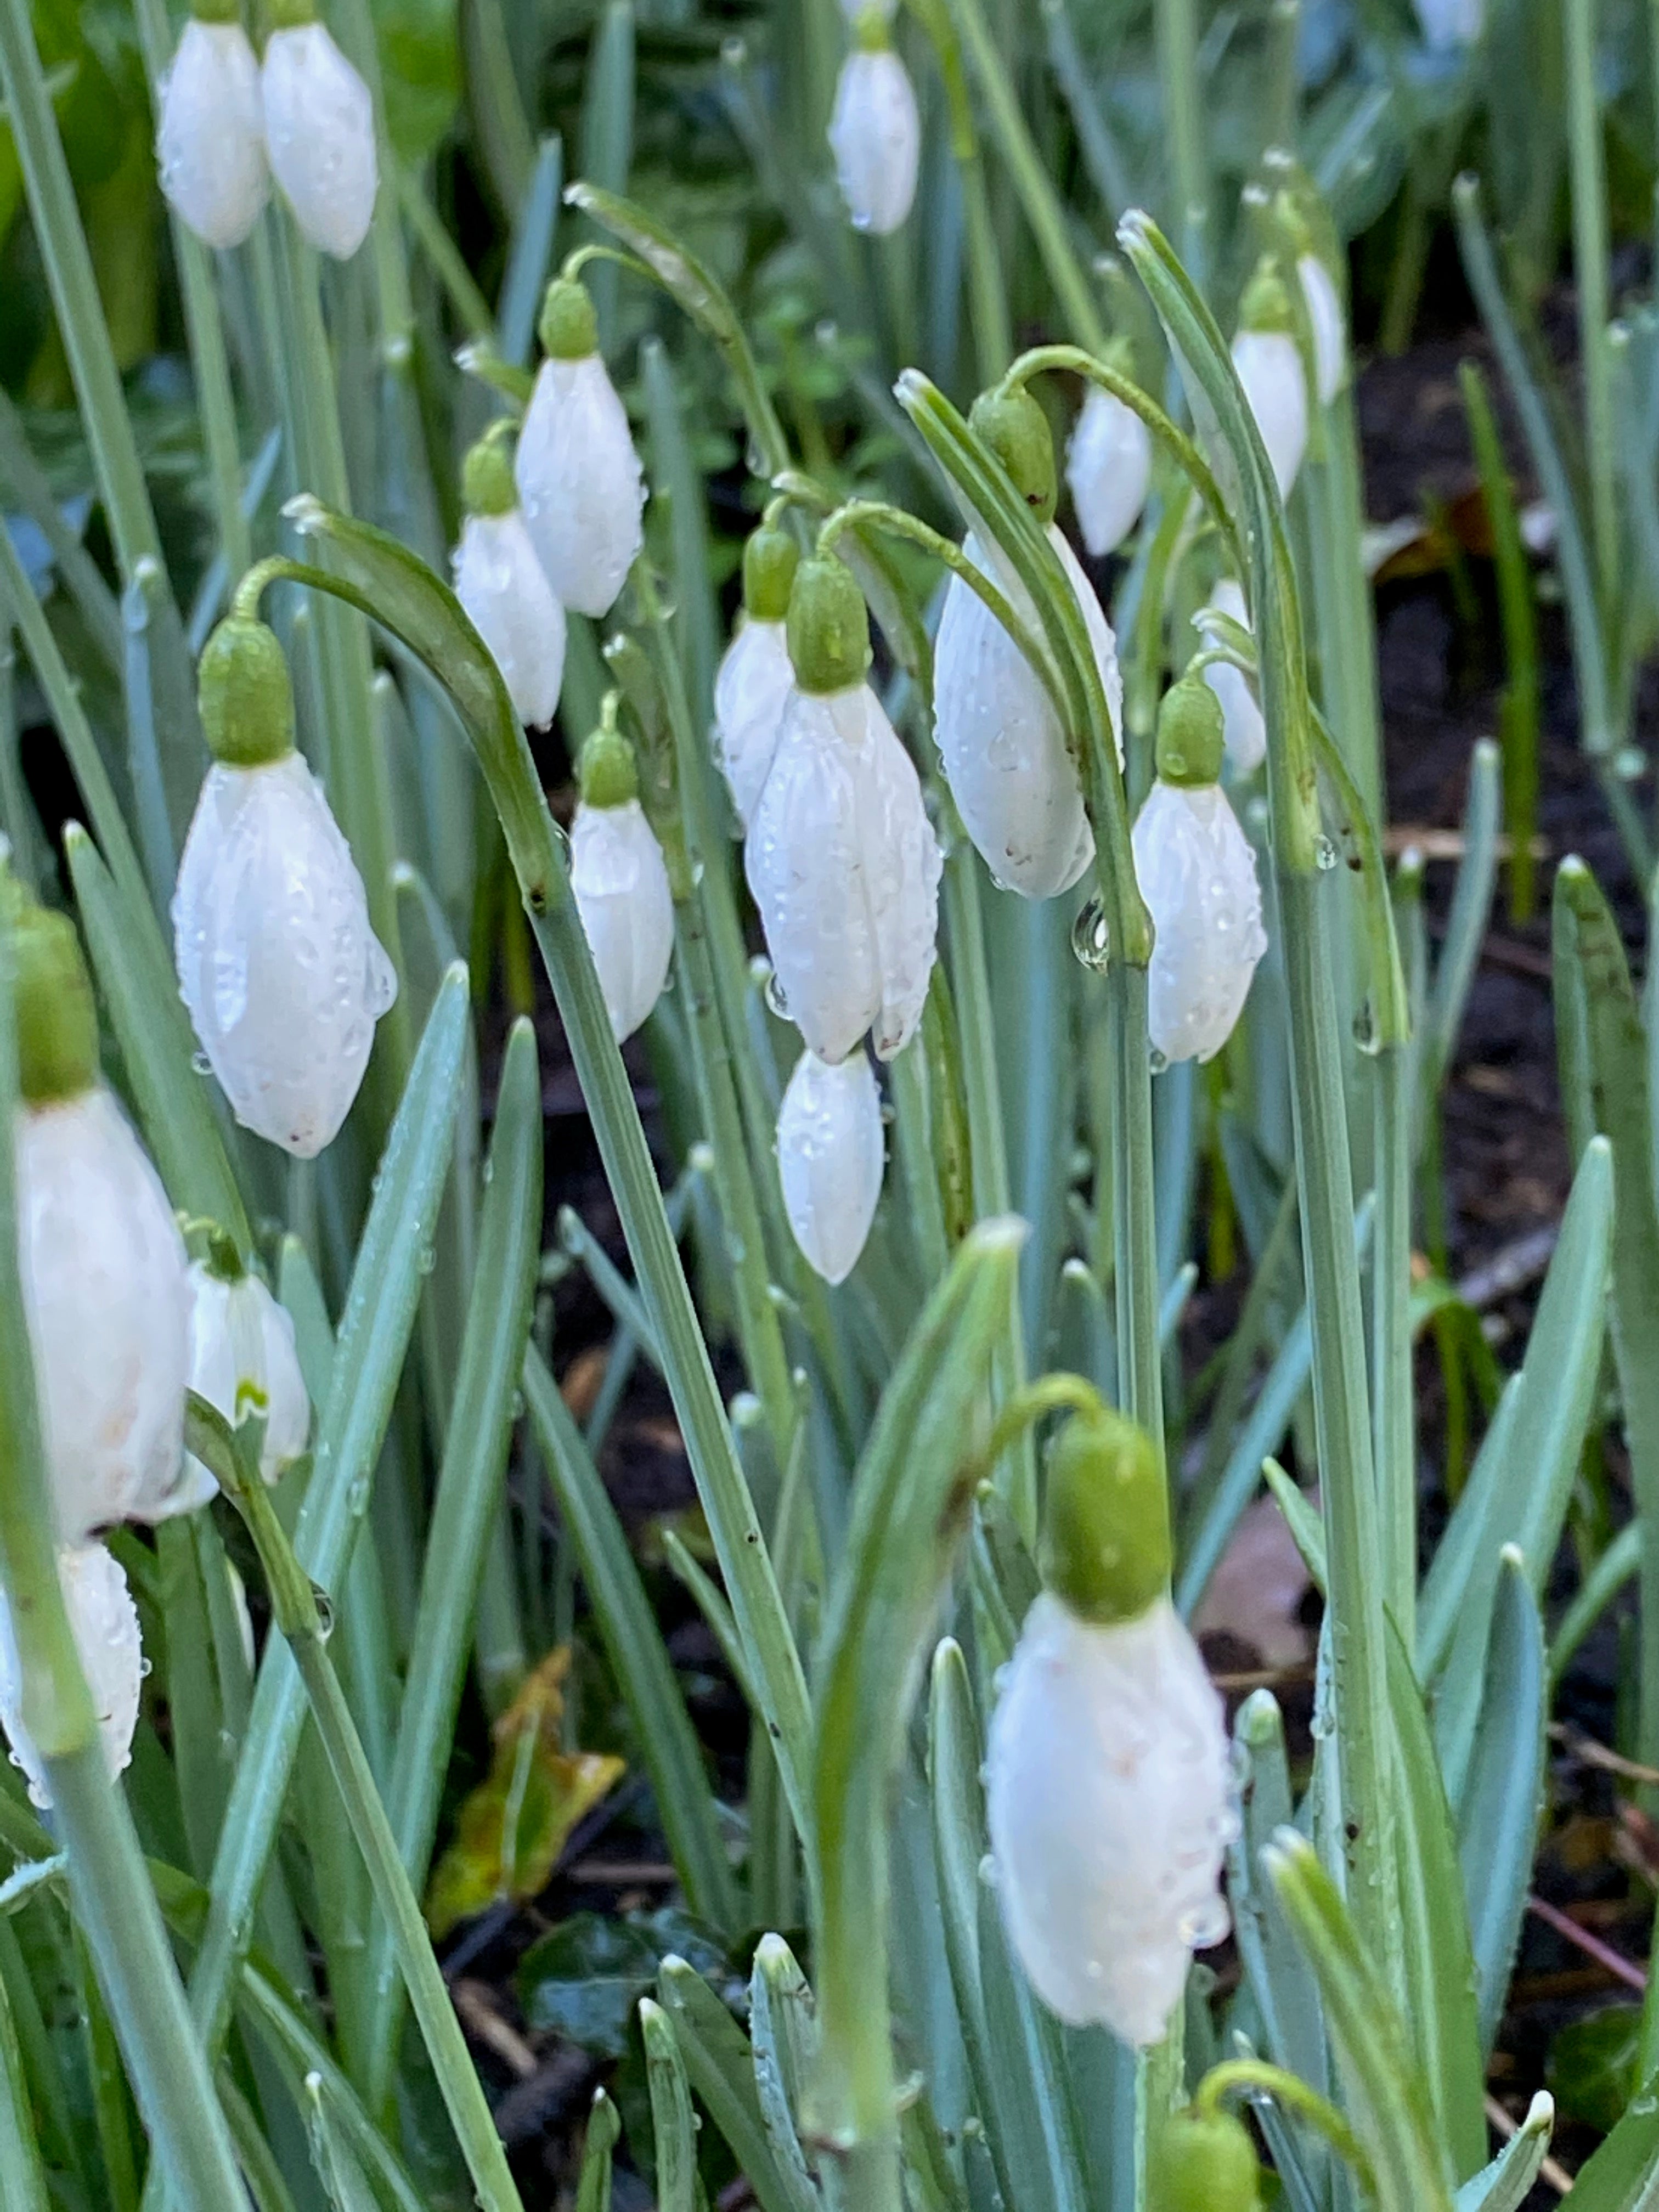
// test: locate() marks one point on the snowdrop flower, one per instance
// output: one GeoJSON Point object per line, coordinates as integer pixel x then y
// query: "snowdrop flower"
{"type": "Point", "coordinates": [1327, 323]}
{"type": "Point", "coordinates": [320, 131]}
{"type": "Point", "coordinates": [1013, 779]}
{"type": "Point", "coordinates": [1109, 467]}
{"type": "Point", "coordinates": [1197, 875]}
{"type": "Point", "coordinates": [581, 485]}
{"type": "Point", "coordinates": [103, 1622]}
{"type": "Point", "coordinates": [243, 1360]}
{"type": "Point", "coordinates": [754, 680]}
{"type": "Point", "coordinates": [209, 136]}
{"type": "Point", "coordinates": [620, 879]}
{"type": "Point", "coordinates": [101, 1263]}
{"type": "Point", "coordinates": [830, 1160]}
{"type": "Point", "coordinates": [1243, 732]}
{"type": "Point", "coordinates": [841, 858]}
{"type": "Point", "coordinates": [1270, 369]}
{"type": "Point", "coordinates": [504, 587]}
{"type": "Point", "coordinates": [282, 973]}
{"type": "Point", "coordinates": [875, 131]}
{"type": "Point", "coordinates": [1106, 1764]}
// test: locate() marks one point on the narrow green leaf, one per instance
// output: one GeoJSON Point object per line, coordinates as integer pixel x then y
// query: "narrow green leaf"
{"type": "Point", "coordinates": [1505, 2185]}
{"type": "Point", "coordinates": [783, 2037]}
{"type": "Point", "coordinates": [1471, 907]}
{"type": "Point", "coordinates": [593, 2184]}
{"type": "Point", "coordinates": [22, 2177]}
{"type": "Point", "coordinates": [336, 2167]}
{"type": "Point", "coordinates": [529, 255]}
{"type": "Point", "coordinates": [607, 134]}
{"type": "Point", "coordinates": [718, 2063]}
{"type": "Point", "coordinates": [672, 2121]}
{"type": "Point", "coordinates": [1624, 2174]}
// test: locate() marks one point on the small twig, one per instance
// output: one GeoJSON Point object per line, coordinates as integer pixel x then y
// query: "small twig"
{"type": "Point", "coordinates": [1588, 1752]}
{"type": "Point", "coordinates": [1612, 1962]}
{"type": "Point", "coordinates": [1507, 2125]}
{"type": "Point", "coordinates": [1448, 844]}
{"type": "Point", "coordinates": [476, 2003]}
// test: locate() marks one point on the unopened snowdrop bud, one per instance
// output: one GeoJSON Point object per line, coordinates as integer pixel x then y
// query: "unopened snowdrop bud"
{"type": "Point", "coordinates": [103, 1622]}
{"type": "Point", "coordinates": [875, 131]}
{"type": "Point", "coordinates": [580, 485]}
{"type": "Point", "coordinates": [243, 1360]}
{"type": "Point", "coordinates": [1205, 2162]}
{"type": "Point", "coordinates": [620, 879]}
{"type": "Point", "coordinates": [319, 131]}
{"type": "Point", "coordinates": [1107, 1765]}
{"type": "Point", "coordinates": [100, 1257]}
{"type": "Point", "coordinates": [754, 680]}
{"type": "Point", "coordinates": [209, 136]}
{"type": "Point", "coordinates": [841, 857]}
{"type": "Point", "coordinates": [1197, 875]}
{"type": "Point", "coordinates": [1243, 729]}
{"type": "Point", "coordinates": [282, 973]}
{"type": "Point", "coordinates": [1109, 467]}
{"type": "Point", "coordinates": [1327, 323]}
{"type": "Point", "coordinates": [504, 587]}
{"type": "Point", "coordinates": [1270, 369]}
{"type": "Point", "coordinates": [830, 1160]}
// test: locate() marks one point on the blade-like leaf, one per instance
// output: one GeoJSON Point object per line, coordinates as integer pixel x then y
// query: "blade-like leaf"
{"type": "Point", "coordinates": [1505, 2185]}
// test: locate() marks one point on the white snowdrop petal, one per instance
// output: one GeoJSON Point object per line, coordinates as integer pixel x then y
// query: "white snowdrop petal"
{"type": "Point", "coordinates": [1197, 875]}
{"type": "Point", "coordinates": [1243, 732]}
{"type": "Point", "coordinates": [209, 136]}
{"type": "Point", "coordinates": [283, 977]}
{"type": "Point", "coordinates": [1325, 320]}
{"type": "Point", "coordinates": [505, 591]}
{"type": "Point", "coordinates": [320, 135]}
{"type": "Point", "coordinates": [830, 1160]}
{"type": "Point", "coordinates": [1448, 26]}
{"type": "Point", "coordinates": [1270, 369]}
{"type": "Point", "coordinates": [243, 1360]}
{"type": "Point", "coordinates": [844, 868]}
{"type": "Point", "coordinates": [1108, 1799]}
{"type": "Point", "coordinates": [1004, 754]}
{"type": "Point", "coordinates": [580, 486]}
{"type": "Point", "coordinates": [104, 1288]}
{"type": "Point", "coordinates": [752, 688]}
{"type": "Point", "coordinates": [621, 882]}
{"type": "Point", "coordinates": [105, 1624]}
{"type": "Point", "coordinates": [1109, 467]}
{"type": "Point", "coordinates": [875, 135]}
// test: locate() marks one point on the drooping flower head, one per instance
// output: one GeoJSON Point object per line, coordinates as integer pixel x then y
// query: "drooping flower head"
{"type": "Point", "coordinates": [319, 131]}
{"type": "Point", "coordinates": [830, 1160]}
{"type": "Point", "coordinates": [103, 1622]}
{"type": "Point", "coordinates": [1269, 368]}
{"type": "Point", "coordinates": [210, 129]}
{"type": "Point", "coordinates": [504, 587]}
{"type": "Point", "coordinates": [283, 975]}
{"type": "Point", "coordinates": [875, 131]}
{"type": "Point", "coordinates": [1109, 465]}
{"type": "Point", "coordinates": [620, 878]}
{"type": "Point", "coordinates": [1107, 1766]}
{"type": "Point", "coordinates": [580, 485]}
{"type": "Point", "coordinates": [754, 680]}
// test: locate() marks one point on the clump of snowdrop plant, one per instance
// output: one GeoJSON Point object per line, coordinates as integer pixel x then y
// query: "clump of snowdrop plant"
{"type": "Point", "coordinates": [755, 678]}
{"type": "Point", "coordinates": [1107, 1772]}
{"type": "Point", "coordinates": [504, 587]}
{"type": "Point", "coordinates": [580, 486]}
{"type": "Point", "coordinates": [1269, 365]}
{"type": "Point", "coordinates": [841, 857]}
{"type": "Point", "coordinates": [104, 1621]}
{"type": "Point", "coordinates": [1108, 466]}
{"type": "Point", "coordinates": [1197, 875]}
{"type": "Point", "coordinates": [875, 131]}
{"type": "Point", "coordinates": [319, 131]}
{"type": "Point", "coordinates": [1005, 757]}
{"type": "Point", "coordinates": [1243, 731]}
{"type": "Point", "coordinates": [283, 975]}
{"type": "Point", "coordinates": [243, 1361]}
{"type": "Point", "coordinates": [620, 878]}
{"type": "Point", "coordinates": [209, 138]}
{"type": "Point", "coordinates": [830, 1152]}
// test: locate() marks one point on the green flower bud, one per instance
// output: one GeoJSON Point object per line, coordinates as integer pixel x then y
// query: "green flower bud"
{"type": "Point", "coordinates": [1266, 305]}
{"type": "Point", "coordinates": [1205, 2162]}
{"type": "Point", "coordinates": [487, 484]}
{"type": "Point", "coordinates": [245, 695]}
{"type": "Point", "coordinates": [769, 561]}
{"type": "Point", "coordinates": [569, 327]}
{"type": "Point", "coordinates": [1105, 1541]}
{"type": "Point", "coordinates": [1190, 724]}
{"type": "Point", "coordinates": [1017, 431]}
{"type": "Point", "coordinates": [607, 774]}
{"type": "Point", "coordinates": [828, 627]}
{"type": "Point", "coordinates": [57, 1019]}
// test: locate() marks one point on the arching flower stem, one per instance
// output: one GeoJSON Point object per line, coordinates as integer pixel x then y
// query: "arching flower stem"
{"type": "Point", "coordinates": [1256, 2077]}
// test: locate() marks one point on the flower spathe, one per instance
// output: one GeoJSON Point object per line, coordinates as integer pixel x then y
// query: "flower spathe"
{"type": "Point", "coordinates": [283, 975]}
{"type": "Point", "coordinates": [875, 135]}
{"type": "Point", "coordinates": [845, 868]}
{"type": "Point", "coordinates": [513, 608]}
{"type": "Point", "coordinates": [580, 486]}
{"type": "Point", "coordinates": [1109, 468]}
{"type": "Point", "coordinates": [1197, 875]}
{"type": "Point", "coordinates": [1270, 369]}
{"type": "Point", "coordinates": [1015, 784]}
{"type": "Point", "coordinates": [831, 1155]}
{"type": "Point", "coordinates": [243, 1361]}
{"type": "Point", "coordinates": [1106, 1780]}
{"type": "Point", "coordinates": [209, 136]}
{"type": "Point", "coordinates": [752, 690]}
{"type": "Point", "coordinates": [320, 138]}
{"type": "Point", "coordinates": [621, 884]}
{"type": "Point", "coordinates": [1244, 732]}
{"type": "Point", "coordinates": [103, 1622]}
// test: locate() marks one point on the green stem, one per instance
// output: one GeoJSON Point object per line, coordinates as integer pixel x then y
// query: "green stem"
{"type": "Point", "coordinates": [1140, 1367]}
{"type": "Point", "coordinates": [1343, 603]}
{"type": "Point", "coordinates": [1590, 256]}
{"type": "Point", "coordinates": [1255, 2077]}
{"type": "Point", "coordinates": [1394, 1440]}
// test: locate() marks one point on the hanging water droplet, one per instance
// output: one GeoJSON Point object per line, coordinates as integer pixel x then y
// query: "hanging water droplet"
{"type": "Point", "coordinates": [1091, 936]}
{"type": "Point", "coordinates": [1364, 1027]}
{"type": "Point", "coordinates": [774, 998]}
{"type": "Point", "coordinates": [201, 1064]}
{"type": "Point", "coordinates": [324, 1605]}
{"type": "Point", "coordinates": [1325, 853]}
{"type": "Point", "coordinates": [1156, 1060]}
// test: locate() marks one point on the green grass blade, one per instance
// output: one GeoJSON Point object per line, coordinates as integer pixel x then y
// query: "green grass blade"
{"type": "Point", "coordinates": [673, 2124]}
{"type": "Point", "coordinates": [529, 255]}
{"type": "Point", "coordinates": [22, 2177]}
{"type": "Point", "coordinates": [719, 2064]}
{"type": "Point", "coordinates": [607, 136]}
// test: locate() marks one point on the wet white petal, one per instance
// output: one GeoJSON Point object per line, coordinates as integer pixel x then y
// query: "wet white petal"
{"type": "Point", "coordinates": [875, 135]}
{"type": "Point", "coordinates": [1004, 754]}
{"type": "Point", "coordinates": [505, 591]}
{"type": "Point", "coordinates": [1270, 369]}
{"type": "Point", "coordinates": [1449, 25]}
{"type": "Point", "coordinates": [319, 134]}
{"type": "Point", "coordinates": [1243, 732]}
{"type": "Point", "coordinates": [105, 1291]}
{"type": "Point", "coordinates": [243, 1360]}
{"type": "Point", "coordinates": [283, 977]}
{"type": "Point", "coordinates": [844, 868]}
{"type": "Point", "coordinates": [621, 882]}
{"type": "Point", "coordinates": [830, 1160]}
{"type": "Point", "coordinates": [1197, 875]}
{"type": "Point", "coordinates": [752, 688]}
{"type": "Point", "coordinates": [1107, 1793]}
{"type": "Point", "coordinates": [580, 485]}
{"type": "Point", "coordinates": [1109, 467]}
{"type": "Point", "coordinates": [209, 136]}
{"type": "Point", "coordinates": [1325, 319]}
{"type": "Point", "coordinates": [105, 1624]}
